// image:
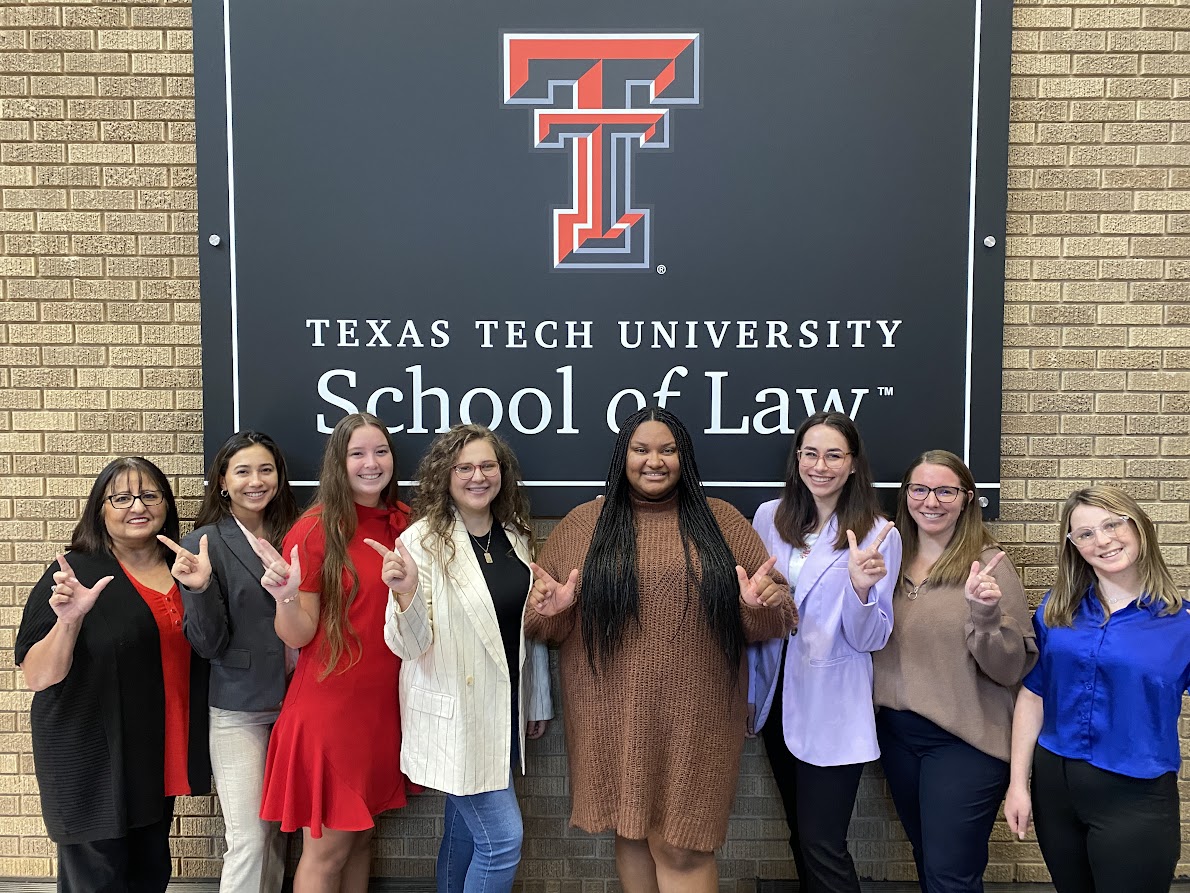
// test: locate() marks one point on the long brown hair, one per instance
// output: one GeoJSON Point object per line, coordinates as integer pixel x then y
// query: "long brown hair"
{"type": "Point", "coordinates": [971, 536]}
{"type": "Point", "coordinates": [432, 500]}
{"type": "Point", "coordinates": [857, 508]}
{"type": "Point", "coordinates": [282, 509]}
{"type": "Point", "coordinates": [334, 502]}
{"type": "Point", "coordinates": [1075, 576]}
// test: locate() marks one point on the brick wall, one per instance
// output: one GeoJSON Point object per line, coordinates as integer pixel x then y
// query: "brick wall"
{"type": "Point", "coordinates": [99, 353]}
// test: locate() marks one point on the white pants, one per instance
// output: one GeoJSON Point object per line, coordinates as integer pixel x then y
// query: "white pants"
{"type": "Point", "coordinates": [255, 857]}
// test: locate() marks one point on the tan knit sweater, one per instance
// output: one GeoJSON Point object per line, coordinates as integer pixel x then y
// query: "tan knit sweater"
{"type": "Point", "coordinates": [654, 741]}
{"type": "Point", "coordinates": [959, 663]}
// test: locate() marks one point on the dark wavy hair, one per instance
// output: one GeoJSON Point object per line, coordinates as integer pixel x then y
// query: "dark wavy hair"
{"type": "Point", "coordinates": [857, 508]}
{"type": "Point", "coordinates": [282, 509]}
{"type": "Point", "coordinates": [90, 534]}
{"type": "Point", "coordinates": [611, 586]}
{"type": "Point", "coordinates": [432, 500]}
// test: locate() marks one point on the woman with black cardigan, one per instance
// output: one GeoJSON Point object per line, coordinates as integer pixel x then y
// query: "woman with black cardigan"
{"type": "Point", "coordinates": [119, 715]}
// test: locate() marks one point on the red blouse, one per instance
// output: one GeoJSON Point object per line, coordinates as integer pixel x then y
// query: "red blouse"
{"type": "Point", "coordinates": [175, 669]}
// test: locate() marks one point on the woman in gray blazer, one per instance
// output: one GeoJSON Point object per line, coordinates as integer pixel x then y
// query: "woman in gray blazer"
{"type": "Point", "coordinates": [229, 621]}
{"type": "Point", "coordinates": [471, 687]}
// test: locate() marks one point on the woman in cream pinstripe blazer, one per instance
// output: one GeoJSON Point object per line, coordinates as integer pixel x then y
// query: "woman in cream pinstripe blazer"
{"type": "Point", "coordinates": [471, 687]}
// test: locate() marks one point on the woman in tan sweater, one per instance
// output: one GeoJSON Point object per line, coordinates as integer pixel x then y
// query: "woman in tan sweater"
{"type": "Point", "coordinates": [945, 683]}
{"type": "Point", "coordinates": [652, 654]}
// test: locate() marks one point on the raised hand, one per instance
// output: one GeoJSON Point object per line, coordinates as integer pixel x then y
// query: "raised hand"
{"type": "Point", "coordinates": [71, 600]}
{"type": "Point", "coordinates": [399, 571]}
{"type": "Point", "coordinates": [866, 566]}
{"type": "Point", "coordinates": [981, 586]}
{"type": "Point", "coordinates": [281, 578]}
{"type": "Point", "coordinates": [192, 571]}
{"type": "Point", "coordinates": [761, 590]}
{"type": "Point", "coordinates": [548, 596]}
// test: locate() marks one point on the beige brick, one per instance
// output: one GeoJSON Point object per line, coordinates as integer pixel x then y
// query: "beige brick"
{"type": "Point", "coordinates": [96, 63]}
{"type": "Point", "coordinates": [1095, 247]}
{"type": "Point", "coordinates": [76, 175]}
{"type": "Point", "coordinates": [1071, 88]}
{"type": "Point", "coordinates": [1103, 156]}
{"type": "Point", "coordinates": [36, 244]}
{"type": "Point", "coordinates": [136, 177]}
{"type": "Point", "coordinates": [102, 109]}
{"type": "Point", "coordinates": [1167, 246]}
{"type": "Point", "coordinates": [1132, 223]}
{"type": "Point", "coordinates": [32, 153]}
{"type": "Point", "coordinates": [138, 267]}
{"type": "Point", "coordinates": [75, 267]}
{"type": "Point", "coordinates": [103, 199]}
{"type": "Point", "coordinates": [136, 86]}
{"type": "Point", "coordinates": [133, 40]}
{"type": "Point", "coordinates": [65, 131]}
{"type": "Point", "coordinates": [1130, 269]}
{"type": "Point", "coordinates": [39, 199]}
{"type": "Point", "coordinates": [100, 153]}
{"type": "Point", "coordinates": [164, 154]}
{"type": "Point", "coordinates": [165, 109]}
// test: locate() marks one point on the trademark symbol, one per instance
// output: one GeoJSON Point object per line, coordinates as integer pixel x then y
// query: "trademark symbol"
{"type": "Point", "coordinates": [660, 269]}
{"type": "Point", "coordinates": [885, 392]}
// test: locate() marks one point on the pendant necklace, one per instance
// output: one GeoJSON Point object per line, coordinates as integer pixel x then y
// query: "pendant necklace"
{"type": "Point", "coordinates": [487, 549]}
{"type": "Point", "coordinates": [912, 595]}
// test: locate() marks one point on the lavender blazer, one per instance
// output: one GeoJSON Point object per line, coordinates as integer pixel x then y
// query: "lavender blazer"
{"type": "Point", "coordinates": [827, 696]}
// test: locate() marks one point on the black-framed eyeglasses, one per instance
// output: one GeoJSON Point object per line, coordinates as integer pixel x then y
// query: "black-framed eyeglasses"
{"type": "Point", "coordinates": [1111, 528]}
{"type": "Point", "coordinates": [125, 500]}
{"type": "Point", "coordinates": [466, 470]}
{"type": "Point", "coordinates": [833, 458]}
{"type": "Point", "coordinates": [920, 492]}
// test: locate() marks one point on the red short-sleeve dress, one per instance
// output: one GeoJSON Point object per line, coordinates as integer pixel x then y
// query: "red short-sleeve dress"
{"type": "Point", "coordinates": [335, 753]}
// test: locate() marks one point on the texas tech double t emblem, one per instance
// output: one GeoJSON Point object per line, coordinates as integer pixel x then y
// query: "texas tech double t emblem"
{"type": "Point", "coordinates": [602, 97]}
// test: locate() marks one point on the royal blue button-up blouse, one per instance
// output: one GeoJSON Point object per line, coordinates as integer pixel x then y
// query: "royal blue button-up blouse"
{"type": "Point", "coordinates": [1113, 691]}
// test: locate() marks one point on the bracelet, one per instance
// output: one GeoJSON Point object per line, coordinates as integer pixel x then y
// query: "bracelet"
{"type": "Point", "coordinates": [286, 601]}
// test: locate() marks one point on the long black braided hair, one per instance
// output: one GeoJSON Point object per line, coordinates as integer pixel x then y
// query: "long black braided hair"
{"type": "Point", "coordinates": [611, 587]}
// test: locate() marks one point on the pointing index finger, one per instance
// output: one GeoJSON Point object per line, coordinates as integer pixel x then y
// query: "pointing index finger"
{"type": "Point", "coordinates": [765, 569]}
{"type": "Point", "coordinates": [382, 549]}
{"type": "Point", "coordinates": [177, 550]}
{"type": "Point", "coordinates": [992, 564]}
{"type": "Point", "coordinates": [880, 538]}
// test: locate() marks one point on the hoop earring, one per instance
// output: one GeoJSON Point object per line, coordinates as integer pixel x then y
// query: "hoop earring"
{"type": "Point", "coordinates": [223, 493]}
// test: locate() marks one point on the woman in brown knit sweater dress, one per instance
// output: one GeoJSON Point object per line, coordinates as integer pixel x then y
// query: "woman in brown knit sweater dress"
{"type": "Point", "coordinates": [652, 653]}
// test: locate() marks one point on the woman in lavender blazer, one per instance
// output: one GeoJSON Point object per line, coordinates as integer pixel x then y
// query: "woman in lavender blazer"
{"type": "Point", "coordinates": [842, 560]}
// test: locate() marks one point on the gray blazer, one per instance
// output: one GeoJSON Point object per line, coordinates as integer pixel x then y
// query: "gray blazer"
{"type": "Point", "coordinates": [231, 623]}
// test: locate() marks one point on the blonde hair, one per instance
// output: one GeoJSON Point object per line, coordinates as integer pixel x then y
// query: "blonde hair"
{"type": "Point", "coordinates": [1075, 576]}
{"type": "Point", "coordinates": [971, 536]}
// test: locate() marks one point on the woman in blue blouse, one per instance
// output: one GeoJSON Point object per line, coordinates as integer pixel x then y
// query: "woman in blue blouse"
{"type": "Point", "coordinates": [1097, 719]}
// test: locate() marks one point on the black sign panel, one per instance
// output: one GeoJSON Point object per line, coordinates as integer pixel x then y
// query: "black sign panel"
{"type": "Point", "coordinates": [540, 216]}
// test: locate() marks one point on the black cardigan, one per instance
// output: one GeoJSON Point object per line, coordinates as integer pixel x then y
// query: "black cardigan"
{"type": "Point", "coordinates": [99, 734]}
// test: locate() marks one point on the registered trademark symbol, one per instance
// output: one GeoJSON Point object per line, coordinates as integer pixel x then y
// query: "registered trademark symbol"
{"type": "Point", "coordinates": [661, 269]}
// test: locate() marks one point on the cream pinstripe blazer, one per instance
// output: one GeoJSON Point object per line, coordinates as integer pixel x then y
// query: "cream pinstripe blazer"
{"type": "Point", "coordinates": [456, 692]}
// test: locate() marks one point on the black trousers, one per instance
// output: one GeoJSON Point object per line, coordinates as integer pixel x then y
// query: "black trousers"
{"type": "Point", "coordinates": [818, 802]}
{"type": "Point", "coordinates": [139, 862]}
{"type": "Point", "coordinates": [1101, 832]}
{"type": "Point", "coordinates": [947, 794]}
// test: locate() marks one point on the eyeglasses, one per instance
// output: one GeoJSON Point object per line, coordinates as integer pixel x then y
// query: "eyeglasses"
{"type": "Point", "coordinates": [809, 457]}
{"type": "Point", "coordinates": [920, 492]}
{"type": "Point", "coordinates": [1111, 528]}
{"type": "Point", "coordinates": [125, 500]}
{"type": "Point", "coordinates": [467, 470]}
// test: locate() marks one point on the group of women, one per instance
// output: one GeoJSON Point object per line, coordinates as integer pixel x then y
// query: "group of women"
{"type": "Point", "coordinates": [345, 657]}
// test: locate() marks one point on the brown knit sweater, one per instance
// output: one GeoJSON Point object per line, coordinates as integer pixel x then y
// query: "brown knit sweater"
{"type": "Point", "coordinates": [959, 663]}
{"type": "Point", "coordinates": [654, 741]}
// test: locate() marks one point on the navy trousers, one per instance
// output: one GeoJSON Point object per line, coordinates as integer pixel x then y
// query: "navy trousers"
{"type": "Point", "coordinates": [947, 794]}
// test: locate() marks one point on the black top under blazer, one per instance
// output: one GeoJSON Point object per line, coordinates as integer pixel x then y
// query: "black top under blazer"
{"type": "Point", "coordinates": [231, 622]}
{"type": "Point", "coordinates": [99, 734]}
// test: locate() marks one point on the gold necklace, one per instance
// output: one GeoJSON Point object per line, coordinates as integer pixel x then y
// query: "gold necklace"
{"type": "Point", "coordinates": [912, 595]}
{"type": "Point", "coordinates": [487, 551]}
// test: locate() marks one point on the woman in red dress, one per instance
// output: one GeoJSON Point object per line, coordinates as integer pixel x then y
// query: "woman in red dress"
{"type": "Point", "coordinates": [333, 758]}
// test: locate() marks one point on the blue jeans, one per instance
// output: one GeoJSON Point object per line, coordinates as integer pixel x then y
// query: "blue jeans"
{"type": "Point", "coordinates": [481, 844]}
